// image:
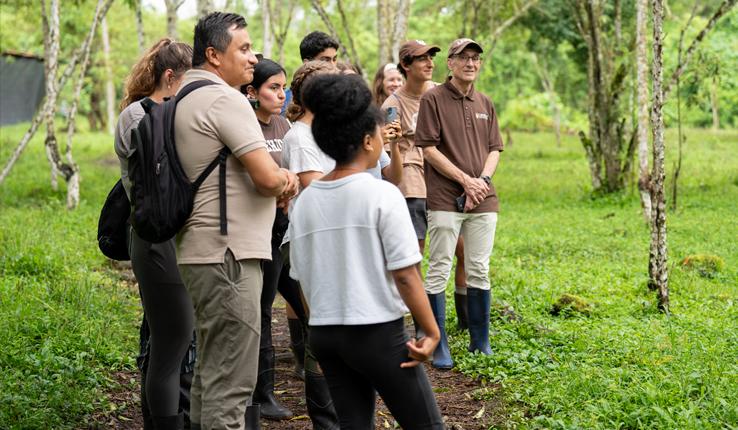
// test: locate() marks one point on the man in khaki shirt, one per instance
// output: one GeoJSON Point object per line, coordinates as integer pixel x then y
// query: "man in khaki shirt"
{"type": "Point", "coordinates": [222, 269]}
{"type": "Point", "coordinates": [458, 131]}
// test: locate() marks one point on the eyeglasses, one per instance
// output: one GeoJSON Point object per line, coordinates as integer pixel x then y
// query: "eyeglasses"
{"type": "Point", "coordinates": [473, 58]}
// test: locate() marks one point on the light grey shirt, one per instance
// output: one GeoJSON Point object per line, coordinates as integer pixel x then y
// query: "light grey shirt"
{"type": "Point", "coordinates": [127, 120]}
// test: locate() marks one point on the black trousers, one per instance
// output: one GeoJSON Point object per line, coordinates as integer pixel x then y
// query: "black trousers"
{"type": "Point", "coordinates": [169, 319]}
{"type": "Point", "coordinates": [357, 360]}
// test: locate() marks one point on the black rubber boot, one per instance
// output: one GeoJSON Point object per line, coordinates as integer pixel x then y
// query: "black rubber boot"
{"type": "Point", "coordinates": [442, 355]}
{"type": "Point", "coordinates": [173, 422]}
{"type": "Point", "coordinates": [264, 391]}
{"type": "Point", "coordinates": [462, 311]}
{"type": "Point", "coordinates": [297, 344]}
{"type": "Point", "coordinates": [319, 402]}
{"type": "Point", "coordinates": [252, 417]}
{"type": "Point", "coordinates": [479, 321]}
{"type": "Point", "coordinates": [185, 383]}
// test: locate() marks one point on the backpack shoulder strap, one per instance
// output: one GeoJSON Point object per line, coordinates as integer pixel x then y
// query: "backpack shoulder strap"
{"type": "Point", "coordinates": [192, 86]}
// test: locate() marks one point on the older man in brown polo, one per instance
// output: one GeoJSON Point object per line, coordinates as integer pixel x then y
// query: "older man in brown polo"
{"type": "Point", "coordinates": [458, 131]}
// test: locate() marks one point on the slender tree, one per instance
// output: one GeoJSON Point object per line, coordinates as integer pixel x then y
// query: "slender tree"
{"type": "Point", "coordinates": [279, 24]}
{"type": "Point", "coordinates": [267, 37]}
{"type": "Point", "coordinates": [109, 86]}
{"type": "Point", "coordinates": [658, 257]}
{"type": "Point", "coordinates": [172, 7]}
{"type": "Point", "coordinates": [644, 177]}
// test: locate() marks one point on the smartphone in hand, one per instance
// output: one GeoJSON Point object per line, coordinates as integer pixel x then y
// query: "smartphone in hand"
{"type": "Point", "coordinates": [391, 114]}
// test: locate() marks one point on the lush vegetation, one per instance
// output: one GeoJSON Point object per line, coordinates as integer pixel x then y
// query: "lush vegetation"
{"type": "Point", "coordinates": [68, 321]}
{"type": "Point", "coordinates": [624, 365]}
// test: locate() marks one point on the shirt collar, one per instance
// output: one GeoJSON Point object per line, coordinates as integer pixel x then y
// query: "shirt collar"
{"type": "Point", "coordinates": [198, 74]}
{"type": "Point", "coordinates": [455, 93]}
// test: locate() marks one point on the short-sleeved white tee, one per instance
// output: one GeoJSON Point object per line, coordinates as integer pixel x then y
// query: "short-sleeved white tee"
{"type": "Point", "coordinates": [301, 154]}
{"type": "Point", "coordinates": [346, 237]}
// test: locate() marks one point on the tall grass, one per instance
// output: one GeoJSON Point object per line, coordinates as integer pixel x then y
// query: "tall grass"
{"type": "Point", "coordinates": [66, 319]}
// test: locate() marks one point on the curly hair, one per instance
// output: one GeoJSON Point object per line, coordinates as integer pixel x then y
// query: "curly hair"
{"type": "Point", "coordinates": [296, 109]}
{"type": "Point", "coordinates": [147, 72]}
{"type": "Point", "coordinates": [344, 114]}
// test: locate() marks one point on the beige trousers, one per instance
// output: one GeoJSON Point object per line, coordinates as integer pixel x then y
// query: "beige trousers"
{"type": "Point", "coordinates": [479, 238]}
{"type": "Point", "coordinates": [226, 297]}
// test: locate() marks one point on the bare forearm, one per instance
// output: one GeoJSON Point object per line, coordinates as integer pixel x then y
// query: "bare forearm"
{"type": "Point", "coordinates": [410, 287]}
{"type": "Point", "coordinates": [393, 172]}
{"type": "Point", "coordinates": [490, 165]}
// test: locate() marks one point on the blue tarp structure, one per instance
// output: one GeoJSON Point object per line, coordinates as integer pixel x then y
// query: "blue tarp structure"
{"type": "Point", "coordinates": [22, 87]}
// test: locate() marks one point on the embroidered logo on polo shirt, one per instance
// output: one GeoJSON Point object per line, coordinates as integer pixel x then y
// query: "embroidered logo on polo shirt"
{"type": "Point", "coordinates": [483, 116]}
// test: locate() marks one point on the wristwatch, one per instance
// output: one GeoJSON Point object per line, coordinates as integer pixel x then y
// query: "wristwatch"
{"type": "Point", "coordinates": [486, 179]}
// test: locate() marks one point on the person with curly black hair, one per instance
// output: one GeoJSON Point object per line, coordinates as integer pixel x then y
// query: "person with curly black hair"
{"type": "Point", "coordinates": [359, 289]}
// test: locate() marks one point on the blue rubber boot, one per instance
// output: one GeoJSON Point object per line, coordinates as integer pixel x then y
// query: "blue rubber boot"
{"type": "Point", "coordinates": [442, 355]}
{"type": "Point", "coordinates": [478, 303]}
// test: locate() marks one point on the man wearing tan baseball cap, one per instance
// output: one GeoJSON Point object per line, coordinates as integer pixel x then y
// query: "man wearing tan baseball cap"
{"type": "Point", "coordinates": [458, 131]}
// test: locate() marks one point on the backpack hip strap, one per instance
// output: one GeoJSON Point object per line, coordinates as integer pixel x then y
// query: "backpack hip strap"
{"type": "Point", "coordinates": [219, 160]}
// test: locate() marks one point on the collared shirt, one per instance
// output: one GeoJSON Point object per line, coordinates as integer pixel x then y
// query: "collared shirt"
{"type": "Point", "coordinates": [464, 128]}
{"type": "Point", "coordinates": [206, 120]}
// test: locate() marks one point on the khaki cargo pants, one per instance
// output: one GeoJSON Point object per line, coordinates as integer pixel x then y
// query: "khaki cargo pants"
{"type": "Point", "coordinates": [226, 298]}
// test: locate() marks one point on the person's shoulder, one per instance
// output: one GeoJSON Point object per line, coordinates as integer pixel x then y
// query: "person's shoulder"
{"type": "Point", "coordinates": [299, 135]}
{"type": "Point", "coordinates": [131, 115]}
{"type": "Point", "coordinates": [434, 93]}
{"type": "Point", "coordinates": [392, 100]}
{"type": "Point", "coordinates": [281, 122]}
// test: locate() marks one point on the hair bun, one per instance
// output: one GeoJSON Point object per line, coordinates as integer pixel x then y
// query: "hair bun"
{"type": "Point", "coordinates": [336, 98]}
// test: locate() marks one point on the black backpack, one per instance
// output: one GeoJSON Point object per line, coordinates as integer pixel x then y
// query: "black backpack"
{"type": "Point", "coordinates": [161, 194]}
{"type": "Point", "coordinates": [112, 227]}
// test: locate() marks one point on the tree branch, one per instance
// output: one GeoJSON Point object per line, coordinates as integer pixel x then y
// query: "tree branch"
{"type": "Point", "coordinates": [681, 67]}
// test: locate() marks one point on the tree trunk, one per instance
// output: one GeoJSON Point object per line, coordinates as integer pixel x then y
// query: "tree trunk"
{"type": "Point", "coordinates": [658, 257]}
{"type": "Point", "coordinates": [266, 49]}
{"type": "Point", "coordinates": [607, 153]}
{"type": "Point", "coordinates": [383, 34]}
{"type": "Point", "coordinates": [642, 88]}
{"type": "Point", "coordinates": [351, 55]}
{"type": "Point", "coordinates": [53, 88]}
{"type": "Point", "coordinates": [109, 87]}
{"type": "Point", "coordinates": [172, 6]}
{"type": "Point", "coordinates": [551, 92]}
{"type": "Point", "coordinates": [278, 29]}
{"type": "Point", "coordinates": [204, 7]}
{"type": "Point", "coordinates": [139, 26]}
{"type": "Point", "coordinates": [399, 30]}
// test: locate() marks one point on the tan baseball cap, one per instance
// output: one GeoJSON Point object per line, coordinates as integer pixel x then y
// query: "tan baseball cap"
{"type": "Point", "coordinates": [416, 48]}
{"type": "Point", "coordinates": [459, 45]}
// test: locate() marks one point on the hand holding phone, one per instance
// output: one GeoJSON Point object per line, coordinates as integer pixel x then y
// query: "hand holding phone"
{"type": "Point", "coordinates": [390, 115]}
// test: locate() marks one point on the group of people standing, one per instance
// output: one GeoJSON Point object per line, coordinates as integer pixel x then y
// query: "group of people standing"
{"type": "Point", "coordinates": [330, 207]}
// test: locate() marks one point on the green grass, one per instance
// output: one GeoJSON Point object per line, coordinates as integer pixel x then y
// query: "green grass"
{"type": "Point", "coordinates": [625, 366]}
{"type": "Point", "coordinates": [67, 321]}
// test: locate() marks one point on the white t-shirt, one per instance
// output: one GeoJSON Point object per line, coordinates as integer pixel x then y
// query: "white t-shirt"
{"type": "Point", "coordinates": [346, 237]}
{"type": "Point", "coordinates": [301, 154]}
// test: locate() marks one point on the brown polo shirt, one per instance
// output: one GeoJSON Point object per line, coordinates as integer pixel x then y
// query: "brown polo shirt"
{"type": "Point", "coordinates": [465, 130]}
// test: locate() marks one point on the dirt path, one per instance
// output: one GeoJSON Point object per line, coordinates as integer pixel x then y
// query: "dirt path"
{"type": "Point", "coordinates": [465, 403]}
